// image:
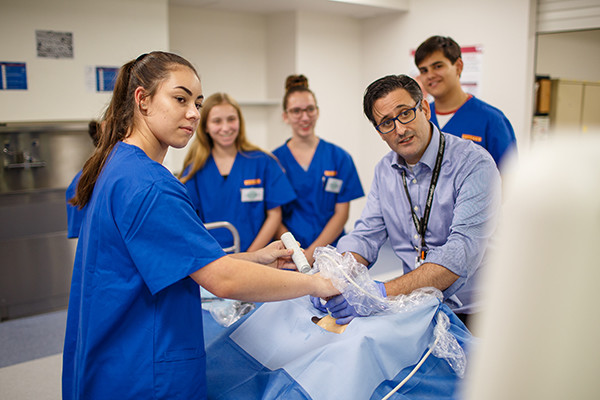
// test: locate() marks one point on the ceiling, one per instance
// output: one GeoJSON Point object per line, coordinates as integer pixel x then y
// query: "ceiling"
{"type": "Point", "coordinates": [351, 8]}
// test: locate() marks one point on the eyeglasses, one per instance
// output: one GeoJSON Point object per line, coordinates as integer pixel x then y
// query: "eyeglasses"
{"type": "Point", "coordinates": [296, 112]}
{"type": "Point", "coordinates": [404, 117]}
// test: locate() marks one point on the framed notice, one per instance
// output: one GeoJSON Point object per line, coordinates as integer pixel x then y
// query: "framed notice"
{"type": "Point", "coordinates": [470, 78]}
{"type": "Point", "coordinates": [13, 76]}
{"type": "Point", "coordinates": [105, 78]}
{"type": "Point", "coordinates": [51, 44]}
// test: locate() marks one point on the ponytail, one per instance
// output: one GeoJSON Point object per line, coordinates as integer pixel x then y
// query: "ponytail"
{"type": "Point", "coordinates": [147, 71]}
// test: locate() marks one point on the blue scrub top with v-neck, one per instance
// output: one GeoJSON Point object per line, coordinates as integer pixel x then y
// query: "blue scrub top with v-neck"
{"type": "Point", "coordinates": [74, 214]}
{"type": "Point", "coordinates": [482, 123]}
{"type": "Point", "coordinates": [255, 184]}
{"type": "Point", "coordinates": [331, 178]}
{"type": "Point", "coordinates": [134, 325]}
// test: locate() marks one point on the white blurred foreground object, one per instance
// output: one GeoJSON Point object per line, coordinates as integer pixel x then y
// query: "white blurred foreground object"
{"type": "Point", "coordinates": [541, 326]}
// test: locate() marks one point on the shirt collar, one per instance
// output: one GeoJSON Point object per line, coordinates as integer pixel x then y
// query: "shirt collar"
{"type": "Point", "coordinates": [430, 155]}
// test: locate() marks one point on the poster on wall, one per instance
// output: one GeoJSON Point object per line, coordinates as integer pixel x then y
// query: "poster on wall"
{"type": "Point", "coordinates": [51, 44]}
{"type": "Point", "coordinates": [13, 76]}
{"type": "Point", "coordinates": [105, 78]}
{"type": "Point", "coordinates": [100, 79]}
{"type": "Point", "coordinates": [470, 78]}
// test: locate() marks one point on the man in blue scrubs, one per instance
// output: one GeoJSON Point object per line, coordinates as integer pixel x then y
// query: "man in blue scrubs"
{"type": "Point", "coordinates": [455, 111]}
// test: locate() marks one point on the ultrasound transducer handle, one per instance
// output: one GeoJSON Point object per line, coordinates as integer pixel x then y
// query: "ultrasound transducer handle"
{"type": "Point", "coordinates": [298, 256]}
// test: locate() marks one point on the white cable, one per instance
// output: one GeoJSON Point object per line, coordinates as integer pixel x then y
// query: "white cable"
{"type": "Point", "coordinates": [425, 356]}
{"type": "Point", "coordinates": [415, 369]}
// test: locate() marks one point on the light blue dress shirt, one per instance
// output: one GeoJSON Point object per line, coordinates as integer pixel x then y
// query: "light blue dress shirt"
{"type": "Point", "coordinates": [465, 205]}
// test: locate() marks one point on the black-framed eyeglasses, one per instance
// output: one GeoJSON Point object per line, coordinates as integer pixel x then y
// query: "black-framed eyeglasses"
{"type": "Point", "coordinates": [404, 117]}
{"type": "Point", "coordinates": [296, 112]}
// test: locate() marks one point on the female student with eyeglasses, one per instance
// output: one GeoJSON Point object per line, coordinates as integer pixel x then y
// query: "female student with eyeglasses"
{"type": "Point", "coordinates": [322, 174]}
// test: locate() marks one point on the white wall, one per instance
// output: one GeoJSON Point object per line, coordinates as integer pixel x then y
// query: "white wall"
{"type": "Point", "coordinates": [507, 78]}
{"type": "Point", "coordinates": [504, 29]}
{"type": "Point", "coordinates": [229, 51]}
{"type": "Point", "coordinates": [325, 48]}
{"type": "Point", "coordinates": [329, 52]}
{"type": "Point", "coordinates": [107, 33]}
{"type": "Point", "coordinates": [342, 55]}
{"type": "Point", "coordinates": [249, 55]}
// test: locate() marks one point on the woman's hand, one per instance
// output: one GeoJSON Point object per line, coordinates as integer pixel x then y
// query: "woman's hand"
{"type": "Point", "coordinates": [324, 287]}
{"type": "Point", "coordinates": [275, 255]}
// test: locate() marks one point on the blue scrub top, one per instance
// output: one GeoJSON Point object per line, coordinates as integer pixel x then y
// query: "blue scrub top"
{"type": "Point", "coordinates": [331, 178]}
{"type": "Point", "coordinates": [74, 214]}
{"type": "Point", "coordinates": [482, 123]}
{"type": "Point", "coordinates": [255, 184]}
{"type": "Point", "coordinates": [134, 325]}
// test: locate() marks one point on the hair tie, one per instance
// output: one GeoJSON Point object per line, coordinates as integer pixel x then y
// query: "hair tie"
{"type": "Point", "coordinates": [140, 58]}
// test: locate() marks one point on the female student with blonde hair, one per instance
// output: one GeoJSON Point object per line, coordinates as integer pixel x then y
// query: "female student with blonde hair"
{"type": "Point", "coordinates": [230, 179]}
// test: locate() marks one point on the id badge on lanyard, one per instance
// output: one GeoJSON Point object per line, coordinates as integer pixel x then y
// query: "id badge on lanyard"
{"type": "Point", "coordinates": [418, 262]}
{"type": "Point", "coordinates": [421, 224]}
{"type": "Point", "coordinates": [421, 253]}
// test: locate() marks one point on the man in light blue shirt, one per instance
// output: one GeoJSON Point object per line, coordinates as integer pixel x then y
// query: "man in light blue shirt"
{"type": "Point", "coordinates": [457, 178]}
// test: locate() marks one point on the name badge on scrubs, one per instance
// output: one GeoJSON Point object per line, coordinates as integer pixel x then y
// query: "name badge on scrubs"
{"type": "Point", "coordinates": [252, 194]}
{"type": "Point", "coordinates": [333, 185]}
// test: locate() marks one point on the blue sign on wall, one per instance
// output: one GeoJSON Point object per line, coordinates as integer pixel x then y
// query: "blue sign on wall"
{"type": "Point", "coordinates": [105, 78]}
{"type": "Point", "coordinates": [13, 76]}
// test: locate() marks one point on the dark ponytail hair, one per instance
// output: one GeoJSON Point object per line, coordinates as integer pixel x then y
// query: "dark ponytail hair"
{"type": "Point", "coordinates": [147, 71]}
{"type": "Point", "coordinates": [293, 84]}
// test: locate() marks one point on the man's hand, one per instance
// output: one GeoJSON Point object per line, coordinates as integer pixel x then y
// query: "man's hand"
{"type": "Point", "coordinates": [343, 311]}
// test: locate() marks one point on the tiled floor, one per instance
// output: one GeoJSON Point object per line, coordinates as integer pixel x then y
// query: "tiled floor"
{"type": "Point", "coordinates": [31, 357]}
{"type": "Point", "coordinates": [37, 379]}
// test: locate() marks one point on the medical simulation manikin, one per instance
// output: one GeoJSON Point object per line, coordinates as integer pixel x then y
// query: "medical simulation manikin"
{"type": "Point", "coordinates": [279, 351]}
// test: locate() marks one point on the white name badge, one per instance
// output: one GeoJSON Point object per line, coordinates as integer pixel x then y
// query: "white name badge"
{"type": "Point", "coordinates": [333, 185]}
{"type": "Point", "coordinates": [253, 194]}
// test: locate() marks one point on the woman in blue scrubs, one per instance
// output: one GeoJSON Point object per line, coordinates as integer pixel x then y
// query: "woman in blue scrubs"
{"type": "Point", "coordinates": [134, 325]}
{"type": "Point", "coordinates": [74, 215]}
{"type": "Point", "coordinates": [322, 174]}
{"type": "Point", "coordinates": [230, 179]}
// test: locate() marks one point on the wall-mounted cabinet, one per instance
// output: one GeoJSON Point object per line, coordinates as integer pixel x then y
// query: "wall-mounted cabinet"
{"type": "Point", "coordinates": [574, 107]}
